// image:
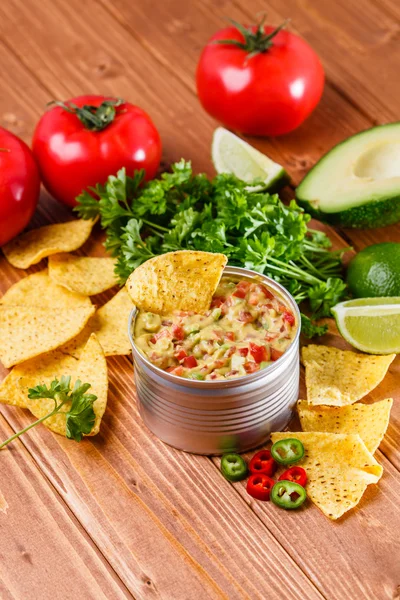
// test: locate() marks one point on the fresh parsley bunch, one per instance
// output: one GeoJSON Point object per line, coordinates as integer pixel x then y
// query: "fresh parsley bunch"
{"type": "Point", "coordinates": [79, 416]}
{"type": "Point", "coordinates": [254, 229]}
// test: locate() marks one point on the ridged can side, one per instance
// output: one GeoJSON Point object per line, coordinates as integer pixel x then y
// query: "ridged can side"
{"type": "Point", "coordinates": [216, 416]}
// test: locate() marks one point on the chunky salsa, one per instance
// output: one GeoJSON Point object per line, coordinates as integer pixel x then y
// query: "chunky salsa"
{"type": "Point", "coordinates": [246, 328]}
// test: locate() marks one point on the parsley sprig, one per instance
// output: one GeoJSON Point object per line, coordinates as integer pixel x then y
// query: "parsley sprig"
{"type": "Point", "coordinates": [253, 228]}
{"type": "Point", "coordinates": [79, 417]}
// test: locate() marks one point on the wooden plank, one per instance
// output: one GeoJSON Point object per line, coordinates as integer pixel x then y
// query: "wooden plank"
{"type": "Point", "coordinates": [166, 521]}
{"type": "Point", "coordinates": [44, 552]}
{"type": "Point", "coordinates": [118, 432]}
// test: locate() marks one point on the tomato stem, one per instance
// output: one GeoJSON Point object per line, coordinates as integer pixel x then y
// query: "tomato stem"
{"type": "Point", "coordinates": [255, 42]}
{"type": "Point", "coordinates": [94, 118]}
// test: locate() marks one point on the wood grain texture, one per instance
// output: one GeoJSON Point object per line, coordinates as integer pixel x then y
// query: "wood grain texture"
{"type": "Point", "coordinates": [44, 553]}
{"type": "Point", "coordinates": [165, 520]}
{"type": "Point", "coordinates": [167, 523]}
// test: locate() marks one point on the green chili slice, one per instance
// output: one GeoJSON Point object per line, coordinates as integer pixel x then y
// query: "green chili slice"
{"type": "Point", "coordinates": [287, 451]}
{"type": "Point", "coordinates": [288, 495]}
{"type": "Point", "coordinates": [233, 467]}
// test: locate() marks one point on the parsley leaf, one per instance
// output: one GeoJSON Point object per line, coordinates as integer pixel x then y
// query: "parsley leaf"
{"type": "Point", "coordinates": [310, 329]}
{"type": "Point", "coordinates": [253, 228]}
{"type": "Point", "coordinates": [80, 416]}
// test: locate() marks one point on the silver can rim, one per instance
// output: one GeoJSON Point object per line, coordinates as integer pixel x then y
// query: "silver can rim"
{"type": "Point", "coordinates": [236, 381]}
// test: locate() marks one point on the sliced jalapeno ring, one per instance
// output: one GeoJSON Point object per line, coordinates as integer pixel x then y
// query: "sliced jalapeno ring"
{"type": "Point", "coordinates": [288, 495]}
{"type": "Point", "coordinates": [287, 451]}
{"type": "Point", "coordinates": [233, 467]}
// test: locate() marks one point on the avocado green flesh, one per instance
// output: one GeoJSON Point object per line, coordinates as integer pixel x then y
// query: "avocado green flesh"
{"type": "Point", "coordinates": [357, 183]}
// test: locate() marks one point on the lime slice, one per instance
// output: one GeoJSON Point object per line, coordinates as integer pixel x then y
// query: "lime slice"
{"type": "Point", "coordinates": [370, 324]}
{"type": "Point", "coordinates": [230, 154]}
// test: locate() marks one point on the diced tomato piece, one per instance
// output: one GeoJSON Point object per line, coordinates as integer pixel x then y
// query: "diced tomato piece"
{"type": "Point", "coordinates": [217, 301]}
{"type": "Point", "coordinates": [175, 370]}
{"type": "Point", "coordinates": [218, 334]}
{"type": "Point", "coordinates": [161, 334]}
{"type": "Point", "coordinates": [270, 337]}
{"type": "Point", "coordinates": [287, 316]}
{"type": "Point", "coordinates": [266, 292]}
{"type": "Point", "coordinates": [241, 289]}
{"type": "Point", "coordinates": [230, 335]}
{"type": "Point", "coordinates": [180, 355]}
{"type": "Point", "coordinates": [275, 354]}
{"type": "Point", "coordinates": [189, 362]}
{"type": "Point", "coordinates": [251, 367]}
{"type": "Point", "coordinates": [245, 317]}
{"type": "Point", "coordinates": [177, 332]}
{"type": "Point", "coordinates": [259, 353]}
{"type": "Point", "coordinates": [243, 351]}
{"type": "Point", "coordinates": [231, 351]}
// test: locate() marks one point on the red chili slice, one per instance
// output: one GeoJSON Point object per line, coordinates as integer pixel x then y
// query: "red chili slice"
{"type": "Point", "coordinates": [262, 463]}
{"type": "Point", "coordinates": [260, 486]}
{"type": "Point", "coordinates": [241, 289]}
{"type": "Point", "coordinates": [243, 351]}
{"type": "Point", "coordinates": [275, 354]}
{"type": "Point", "coordinates": [296, 474]}
{"type": "Point", "coordinates": [259, 353]}
{"type": "Point", "coordinates": [189, 362]}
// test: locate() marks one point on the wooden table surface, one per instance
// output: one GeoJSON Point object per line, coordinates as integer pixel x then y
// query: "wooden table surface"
{"type": "Point", "coordinates": [122, 515]}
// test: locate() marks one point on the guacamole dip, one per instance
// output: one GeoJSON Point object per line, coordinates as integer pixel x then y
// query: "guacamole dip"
{"type": "Point", "coordinates": [246, 328]}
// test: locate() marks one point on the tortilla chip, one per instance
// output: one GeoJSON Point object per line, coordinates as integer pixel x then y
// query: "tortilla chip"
{"type": "Point", "coordinates": [39, 290]}
{"type": "Point", "coordinates": [42, 369]}
{"type": "Point", "coordinates": [370, 421]}
{"type": "Point", "coordinates": [340, 377]}
{"type": "Point", "coordinates": [184, 280]}
{"type": "Point", "coordinates": [91, 368]}
{"type": "Point", "coordinates": [27, 331]}
{"type": "Point", "coordinates": [29, 248]}
{"type": "Point", "coordinates": [83, 274]}
{"type": "Point", "coordinates": [110, 324]}
{"type": "Point", "coordinates": [339, 468]}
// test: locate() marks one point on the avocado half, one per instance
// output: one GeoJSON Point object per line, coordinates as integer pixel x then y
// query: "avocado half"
{"type": "Point", "coordinates": [357, 183]}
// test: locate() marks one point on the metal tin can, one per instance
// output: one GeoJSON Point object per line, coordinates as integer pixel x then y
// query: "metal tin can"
{"type": "Point", "coordinates": [213, 417]}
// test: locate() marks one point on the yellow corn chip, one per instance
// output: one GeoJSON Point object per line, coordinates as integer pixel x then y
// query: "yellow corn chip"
{"type": "Point", "coordinates": [83, 274]}
{"type": "Point", "coordinates": [339, 468]}
{"type": "Point", "coordinates": [370, 421]}
{"type": "Point", "coordinates": [110, 324]}
{"type": "Point", "coordinates": [41, 369]}
{"type": "Point", "coordinates": [39, 290]}
{"type": "Point", "coordinates": [29, 248]}
{"type": "Point", "coordinates": [91, 368]}
{"type": "Point", "coordinates": [340, 377]}
{"type": "Point", "coordinates": [27, 331]}
{"type": "Point", "coordinates": [184, 280]}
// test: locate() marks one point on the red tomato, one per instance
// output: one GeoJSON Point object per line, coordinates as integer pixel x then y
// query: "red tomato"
{"type": "Point", "coordinates": [259, 353]}
{"type": "Point", "coordinates": [268, 93]}
{"type": "Point", "coordinates": [72, 157]}
{"type": "Point", "coordinates": [251, 367]}
{"type": "Point", "coordinates": [241, 289]}
{"type": "Point", "coordinates": [189, 362]}
{"type": "Point", "coordinates": [19, 185]}
{"type": "Point", "coordinates": [287, 316]}
{"type": "Point", "coordinates": [177, 332]}
{"type": "Point", "coordinates": [275, 354]}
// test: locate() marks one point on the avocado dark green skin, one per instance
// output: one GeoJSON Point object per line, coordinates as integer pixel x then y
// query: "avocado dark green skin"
{"type": "Point", "coordinates": [373, 214]}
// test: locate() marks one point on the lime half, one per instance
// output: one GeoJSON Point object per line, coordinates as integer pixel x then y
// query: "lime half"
{"type": "Point", "coordinates": [230, 154]}
{"type": "Point", "coordinates": [370, 324]}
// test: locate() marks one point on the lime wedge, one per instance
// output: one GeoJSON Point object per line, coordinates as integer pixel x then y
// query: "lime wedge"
{"type": "Point", "coordinates": [370, 324]}
{"type": "Point", "coordinates": [230, 154]}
